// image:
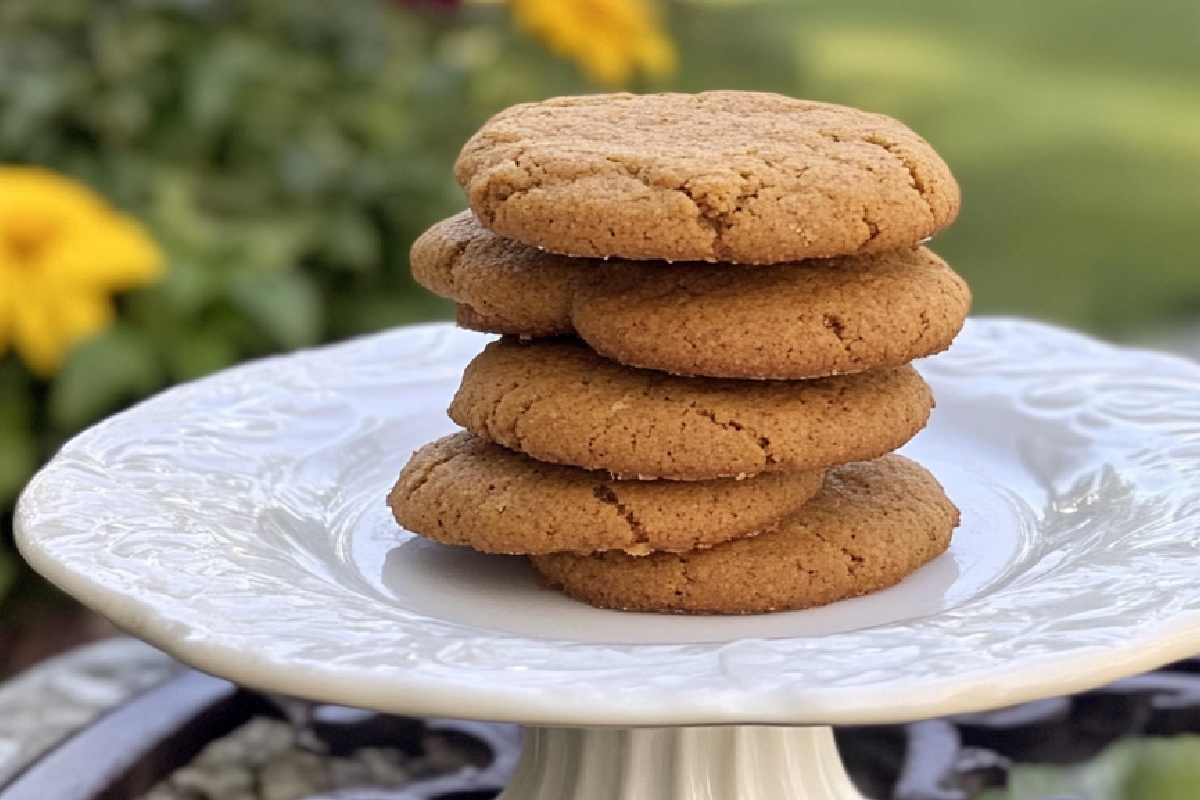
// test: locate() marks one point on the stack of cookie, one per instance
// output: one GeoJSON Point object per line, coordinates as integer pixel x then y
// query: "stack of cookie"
{"type": "Point", "coordinates": [710, 305]}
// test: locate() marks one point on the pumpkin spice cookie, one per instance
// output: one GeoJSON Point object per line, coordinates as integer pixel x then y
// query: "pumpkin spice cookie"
{"type": "Point", "coordinates": [871, 525]}
{"type": "Point", "coordinates": [559, 401]}
{"type": "Point", "coordinates": [500, 285]}
{"type": "Point", "coordinates": [720, 176]}
{"type": "Point", "coordinates": [463, 490]}
{"type": "Point", "coordinates": [787, 321]}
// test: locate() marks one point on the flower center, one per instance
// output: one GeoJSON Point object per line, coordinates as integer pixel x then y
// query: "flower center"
{"type": "Point", "coordinates": [26, 235]}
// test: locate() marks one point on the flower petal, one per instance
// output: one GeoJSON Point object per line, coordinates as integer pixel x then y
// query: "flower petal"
{"type": "Point", "coordinates": [63, 251]}
{"type": "Point", "coordinates": [107, 253]}
{"type": "Point", "coordinates": [46, 329]}
{"type": "Point", "coordinates": [609, 38]}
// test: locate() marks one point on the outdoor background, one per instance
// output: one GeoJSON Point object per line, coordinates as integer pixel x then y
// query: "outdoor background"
{"type": "Point", "coordinates": [283, 154]}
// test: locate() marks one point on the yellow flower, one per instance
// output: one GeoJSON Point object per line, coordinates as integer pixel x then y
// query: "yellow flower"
{"type": "Point", "coordinates": [63, 252]}
{"type": "Point", "coordinates": [609, 38]}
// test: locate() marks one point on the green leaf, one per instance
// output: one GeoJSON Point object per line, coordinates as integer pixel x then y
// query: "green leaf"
{"type": "Point", "coordinates": [8, 571]}
{"type": "Point", "coordinates": [350, 240]}
{"type": "Point", "coordinates": [188, 285]}
{"type": "Point", "coordinates": [200, 353]}
{"type": "Point", "coordinates": [272, 244]}
{"type": "Point", "coordinates": [1131, 769]}
{"type": "Point", "coordinates": [1166, 769]}
{"type": "Point", "coordinates": [18, 460]}
{"type": "Point", "coordinates": [18, 449]}
{"type": "Point", "coordinates": [102, 374]}
{"type": "Point", "coordinates": [286, 306]}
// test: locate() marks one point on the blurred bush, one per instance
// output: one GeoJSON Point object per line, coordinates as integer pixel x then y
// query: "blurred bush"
{"type": "Point", "coordinates": [282, 152]}
{"type": "Point", "coordinates": [1129, 769]}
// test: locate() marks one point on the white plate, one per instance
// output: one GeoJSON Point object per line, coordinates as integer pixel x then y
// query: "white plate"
{"type": "Point", "coordinates": [238, 523]}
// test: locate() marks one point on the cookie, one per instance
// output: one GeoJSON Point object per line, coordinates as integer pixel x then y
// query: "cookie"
{"type": "Point", "coordinates": [720, 176]}
{"type": "Point", "coordinates": [788, 321]}
{"type": "Point", "coordinates": [463, 490]}
{"type": "Point", "coordinates": [558, 401]}
{"type": "Point", "coordinates": [502, 286]}
{"type": "Point", "coordinates": [872, 524]}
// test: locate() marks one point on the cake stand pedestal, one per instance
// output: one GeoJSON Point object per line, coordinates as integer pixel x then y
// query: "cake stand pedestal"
{"type": "Point", "coordinates": [703, 763]}
{"type": "Point", "coordinates": [238, 523]}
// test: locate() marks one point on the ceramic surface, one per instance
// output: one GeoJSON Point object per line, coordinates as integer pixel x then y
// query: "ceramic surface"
{"type": "Point", "coordinates": [238, 523]}
{"type": "Point", "coordinates": [747, 762]}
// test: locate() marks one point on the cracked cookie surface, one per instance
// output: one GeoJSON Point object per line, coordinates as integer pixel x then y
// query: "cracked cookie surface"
{"type": "Point", "coordinates": [463, 490]}
{"type": "Point", "coordinates": [506, 286]}
{"type": "Point", "coordinates": [727, 176]}
{"type": "Point", "coordinates": [872, 524]}
{"type": "Point", "coordinates": [558, 401]}
{"type": "Point", "coordinates": [788, 321]}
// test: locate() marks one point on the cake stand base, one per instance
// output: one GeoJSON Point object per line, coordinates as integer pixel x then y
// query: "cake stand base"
{"type": "Point", "coordinates": [736, 762]}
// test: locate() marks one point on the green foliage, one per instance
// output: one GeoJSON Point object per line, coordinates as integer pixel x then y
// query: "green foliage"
{"type": "Point", "coordinates": [1132, 769]}
{"type": "Point", "coordinates": [8, 571]}
{"type": "Point", "coordinates": [18, 451]}
{"type": "Point", "coordinates": [1073, 128]}
{"type": "Point", "coordinates": [101, 373]}
{"type": "Point", "coordinates": [279, 150]}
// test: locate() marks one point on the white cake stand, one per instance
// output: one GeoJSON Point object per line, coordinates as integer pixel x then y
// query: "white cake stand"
{"type": "Point", "coordinates": [238, 523]}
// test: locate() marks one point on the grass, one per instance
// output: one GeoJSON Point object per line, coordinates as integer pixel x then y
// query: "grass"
{"type": "Point", "coordinates": [1074, 130]}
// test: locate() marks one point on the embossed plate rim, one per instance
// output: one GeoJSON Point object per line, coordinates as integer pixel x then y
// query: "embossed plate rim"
{"type": "Point", "coordinates": [90, 511]}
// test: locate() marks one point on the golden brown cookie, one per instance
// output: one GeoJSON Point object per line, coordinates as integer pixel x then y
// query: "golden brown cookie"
{"type": "Point", "coordinates": [821, 317]}
{"type": "Point", "coordinates": [796, 320]}
{"type": "Point", "coordinates": [728, 176]}
{"type": "Point", "coordinates": [872, 524]}
{"type": "Point", "coordinates": [559, 401]}
{"type": "Point", "coordinates": [463, 490]}
{"type": "Point", "coordinates": [503, 286]}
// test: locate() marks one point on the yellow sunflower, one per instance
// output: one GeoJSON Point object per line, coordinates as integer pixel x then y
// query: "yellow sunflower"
{"type": "Point", "coordinates": [611, 39]}
{"type": "Point", "coordinates": [63, 253]}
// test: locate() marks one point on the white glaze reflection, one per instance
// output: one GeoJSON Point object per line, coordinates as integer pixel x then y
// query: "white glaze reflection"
{"type": "Point", "coordinates": [238, 522]}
